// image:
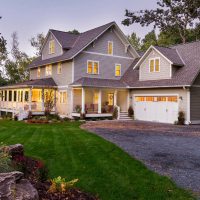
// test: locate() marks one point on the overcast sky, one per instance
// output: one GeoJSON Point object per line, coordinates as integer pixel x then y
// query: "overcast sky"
{"type": "Point", "coordinates": [29, 17]}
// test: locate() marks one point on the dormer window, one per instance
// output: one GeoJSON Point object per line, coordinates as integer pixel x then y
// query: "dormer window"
{"type": "Point", "coordinates": [48, 70]}
{"type": "Point", "coordinates": [110, 47]}
{"type": "Point", "coordinates": [154, 65]}
{"type": "Point", "coordinates": [51, 46]}
{"type": "Point", "coordinates": [38, 72]}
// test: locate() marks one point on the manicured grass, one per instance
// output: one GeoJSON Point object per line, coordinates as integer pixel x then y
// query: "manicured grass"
{"type": "Point", "coordinates": [102, 168]}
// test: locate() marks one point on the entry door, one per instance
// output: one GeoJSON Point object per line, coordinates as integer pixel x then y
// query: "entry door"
{"type": "Point", "coordinates": [111, 99]}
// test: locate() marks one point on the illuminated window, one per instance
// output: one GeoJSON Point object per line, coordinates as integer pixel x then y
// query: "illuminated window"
{"type": "Point", "coordinates": [93, 67]}
{"type": "Point", "coordinates": [110, 48]}
{"type": "Point", "coordinates": [51, 46]}
{"type": "Point", "coordinates": [59, 68]}
{"type": "Point", "coordinates": [161, 98]}
{"type": "Point", "coordinates": [38, 72]}
{"type": "Point", "coordinates": [154, 65]}
{"type": "Point", "coordinates": [173, 99]}
{"type": "Point", "coordinates": [149, 98]}
{"type": "Point", "coordinates": [117, 70]}
{"type": "Point", "coordinates": [110, 99]}
{"type": "Point", "coordinates": [139, 99]}
{"type": "Point", "coordinates": [96, 98]}
{"type": "Point", "coordinates": [48, 70]}
{"type": "Point", "coordinates": [63, 97]}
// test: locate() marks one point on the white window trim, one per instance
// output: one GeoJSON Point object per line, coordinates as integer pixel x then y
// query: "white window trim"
{"type": "Point", "coordinates": [38, 75]}
{"type": "Point", "coordinates": [120, 70]}
{"type": "Point", "coordinates": [46, 70]}
{"type": "Point", "coordinates": [93, 61]}
{"type": "Point", "coordinates": [60, 68]}
{"type": "Point", "coordinates": [51, 40]}
{"type": "Point", "coordinates": [61, 101]}
{"type": "Point", "coordinates": [154, 59]}
{"type": "Point", "coordinates": [112, 47]}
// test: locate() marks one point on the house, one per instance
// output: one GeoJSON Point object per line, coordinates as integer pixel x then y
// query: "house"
{"type": "Point", "coordinates": [98, 69]}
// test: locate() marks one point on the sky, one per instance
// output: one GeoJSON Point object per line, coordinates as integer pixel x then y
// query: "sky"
{"type": "Point", "coordinates": [29, 17]}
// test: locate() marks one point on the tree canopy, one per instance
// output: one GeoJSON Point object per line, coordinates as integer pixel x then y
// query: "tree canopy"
{"type": "Point", "coordinates": [177, 15]}
{"type": "Point", "coordinates": [37, 42]}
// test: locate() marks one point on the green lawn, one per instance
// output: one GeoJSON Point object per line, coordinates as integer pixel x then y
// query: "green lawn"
{"type": "Point", "coordinates": [102, 168]}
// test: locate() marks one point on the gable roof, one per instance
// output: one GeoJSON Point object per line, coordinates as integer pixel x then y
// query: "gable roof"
{"type": "Point", "coordinates": [76, 44]}
{"type": "Point", "coordinates": [170, 54]}
{"type": "Point", "coordinates": [183, 76]}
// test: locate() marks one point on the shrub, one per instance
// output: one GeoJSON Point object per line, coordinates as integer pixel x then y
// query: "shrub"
{"type": "Point", "coordinates": [115, 113]}
{"type": "Point", "coordinates": [29, 115]}
{"type": "Point", "coordinates": [181, 118]}
{"type": "Point", "coordinates": [78, 108]}
{"type": "Point", "coordinates": [61, 184]}
{"type": "Point", "coordinates": [82, 116]}
{"type": "Point", "coordinates": [130, 111]}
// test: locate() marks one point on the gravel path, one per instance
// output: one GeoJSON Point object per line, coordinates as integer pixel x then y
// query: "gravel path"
{"type": "Point", "coordinates": [167, 149]}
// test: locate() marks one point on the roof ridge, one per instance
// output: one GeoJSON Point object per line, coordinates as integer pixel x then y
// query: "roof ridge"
{"type": "Point", "coordinates": [64, 32]}
{"type": "Point", "coordinates": [183, 44]}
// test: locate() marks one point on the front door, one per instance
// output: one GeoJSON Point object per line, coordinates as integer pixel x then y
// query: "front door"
{"type": "Point", "coordinates": [111, 99]}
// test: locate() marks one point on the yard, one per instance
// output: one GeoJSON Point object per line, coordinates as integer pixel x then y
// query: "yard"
{"type": "Point", "coordinates": [102, 168]}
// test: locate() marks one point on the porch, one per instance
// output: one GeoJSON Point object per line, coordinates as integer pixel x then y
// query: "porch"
{"type": "Point", "coordinates": [98, 102]}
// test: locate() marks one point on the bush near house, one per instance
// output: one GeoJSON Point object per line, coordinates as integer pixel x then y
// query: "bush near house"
{"type": "Point", "coordinates": [130, 111]}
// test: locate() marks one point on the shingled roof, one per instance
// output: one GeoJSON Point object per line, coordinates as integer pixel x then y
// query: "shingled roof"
{"type": "Point", "coordinates": [78, 42]}
{"type": "Point", "coordinates": [184, 76]}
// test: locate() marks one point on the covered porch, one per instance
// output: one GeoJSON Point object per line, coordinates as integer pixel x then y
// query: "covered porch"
{"type": "Point", "coordinates": [98, 102]}
{"type": "Point", "coordinates": [25, 97]}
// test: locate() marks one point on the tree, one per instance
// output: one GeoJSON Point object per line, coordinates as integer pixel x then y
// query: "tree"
{"type": "Point", "coordinates": [76, 32]}
{"type": "Point", "coordinates": [17, 67]}
{"type": "Point", "coordinates": [135, 41]}
{"type": "Point", "coordinates": [37, 42]}
{"type": "Point", "coordinates": [149, 39]}
{"type": "Point", "coordinates": [179, 15]}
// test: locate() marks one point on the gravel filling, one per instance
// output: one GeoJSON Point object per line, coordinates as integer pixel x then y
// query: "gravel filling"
{"type": "Point", "coordinates": [169, 150]}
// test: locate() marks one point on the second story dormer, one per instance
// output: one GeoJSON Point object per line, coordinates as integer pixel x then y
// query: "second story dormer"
{"type": "Point", "coordinates": [159, 63]}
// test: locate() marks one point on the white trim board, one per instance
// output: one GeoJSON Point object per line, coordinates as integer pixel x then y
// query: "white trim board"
{"type": "Point", "coordinates": [108, 55]}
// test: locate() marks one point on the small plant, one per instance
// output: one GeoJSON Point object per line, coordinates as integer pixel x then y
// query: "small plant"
{"type": "Point", "coordinates": [78, 108]}
{"type": "Point", "coordinates": [82, 116]}
{"type": "Point", "coordinates": [115, 113]}
{"type": "Point", "coordinates": [130, 111]}
{"type": "Point", "coordinates": [181, 118]}
{"type": "Point", "coordinates": [60, 184]}
{"type": "Point", "coordinates": [5, 159]}
{"type": "Point", "coordinates": [29, 115]}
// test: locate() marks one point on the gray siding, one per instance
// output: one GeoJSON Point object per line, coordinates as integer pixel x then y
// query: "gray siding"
{"type": "Point", "coordinates": [165, 68]}
{"type": "Point", "coordinates": [45, 51]}
{"type": "Point", "coordinates": [101, 45]}
{"type": "Point", "coordinates": [106, 66]}
{"type": "Point", "coordinates": [64, 78]}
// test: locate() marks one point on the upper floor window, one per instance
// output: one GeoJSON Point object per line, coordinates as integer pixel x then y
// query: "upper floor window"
{"type": "Point", "coordinates": [63, 97]}
{"type": "Point", "coordinates": [110, 47]}
{"type": "Point", "coordinates": [92, 67]}
{"type": "Point", "coordinates": [59, 68]}
{"type": "Point", "coordinates": [48, 70]}
{"type": "Point", "coordinates": [117, 70]}
{"type": "Point", "coordinates": [38, 72]}
{"type": "Point", "coordinates": [154, 65]}
{"type": "Point", "coordinates": [51, 46]}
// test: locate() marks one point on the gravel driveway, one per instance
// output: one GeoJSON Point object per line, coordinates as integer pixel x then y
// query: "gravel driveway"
{"type": "Point", "coordinates": [167, 149]}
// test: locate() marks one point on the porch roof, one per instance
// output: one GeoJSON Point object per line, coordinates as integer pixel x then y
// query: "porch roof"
{"type": "Point", "coordinates": [42, 83]}
{"type": "Point", "coordinates": [97, 82]}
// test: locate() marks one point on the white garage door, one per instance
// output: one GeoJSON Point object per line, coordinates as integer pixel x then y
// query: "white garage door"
{"type": "Point", "coordinates": [156, 108]}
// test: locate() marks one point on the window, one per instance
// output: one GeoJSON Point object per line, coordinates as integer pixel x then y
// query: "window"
{"type": "Point", "coordinates": [161, 98]}
{"type": "Point", "coordinates": [5, 95]}
{"type": "Point", "coordinates": [63, 97]}
{"type": "Point", "coordinates": [15, 96]}
{"type": "Point", "coordinates": [140, 99]}
{"type": "Point", "coordinates": [110, 48]}
{"type": "Point", "coordinates": [93, 67]}
{"type": "Point", "coordinates": [48, 70]}
{"type": "Point", "coordinates": [173, 99]}
{"type": "Point", "coordinates": [117, 70]}
{"type": "Point", "coordinates": [154, 65]}
{"type": "Point", "coordinates": [96, 97]}
{"type": "Point", "coordinates": [149, 98]}
{"type": "Point", "coordinates": [59, 68]}
{"type": "Point", "coordinates": [51, 46]}
{"type": "Point", "coordinates": [38, 72]}
{"type": "Point", "coordinates": [10, 95]}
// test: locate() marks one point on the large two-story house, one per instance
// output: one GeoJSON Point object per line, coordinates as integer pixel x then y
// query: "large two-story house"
{"type": "Point", "coordinates": [98, 69]}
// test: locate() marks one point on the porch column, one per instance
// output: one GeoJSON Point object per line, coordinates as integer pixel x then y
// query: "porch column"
{"type": "Point", "coordinates": [128, 100]}
{"type": "Point", "coordinates": [72, 100]}
{"type": "Point", "coordinates": [83, 101]}
{"type": "Point", "coordinates": [23, 97]}
{"type": "Point", "coordinates": [42, 99]}
{"type": "Point", "coordinates": [30, 98]}
{"type": "Point", "coordinates": [99, 102]}
{"type": "Point", "coordinates": [115, 98]}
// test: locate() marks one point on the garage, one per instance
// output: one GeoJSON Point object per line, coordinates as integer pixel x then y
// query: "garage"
{"type": "Point", "coordinates": [156, 108]}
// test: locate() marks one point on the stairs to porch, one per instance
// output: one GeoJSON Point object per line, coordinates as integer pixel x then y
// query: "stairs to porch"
{"type": "Point", "coordinates": [124, 116]}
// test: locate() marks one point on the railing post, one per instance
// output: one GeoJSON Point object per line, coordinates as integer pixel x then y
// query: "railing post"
{"type": "Point", "coordinates": [99, 102]}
